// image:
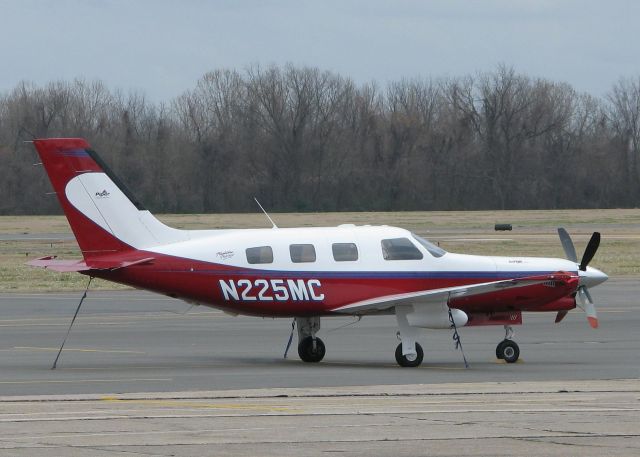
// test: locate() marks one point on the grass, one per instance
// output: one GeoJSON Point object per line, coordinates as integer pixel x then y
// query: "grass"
{"type": "Point", "coordinates": [534, 234]}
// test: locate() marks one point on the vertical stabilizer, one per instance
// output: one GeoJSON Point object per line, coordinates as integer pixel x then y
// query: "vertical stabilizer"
{"type": "Point", "coordinates": [103, 215]}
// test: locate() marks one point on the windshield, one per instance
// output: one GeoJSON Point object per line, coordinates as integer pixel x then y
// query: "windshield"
{"type": "Point", "coordinates": [434, 250]}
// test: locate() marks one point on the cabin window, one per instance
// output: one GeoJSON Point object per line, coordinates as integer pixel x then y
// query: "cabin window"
{"type": "Point", "coordinates": [344, 252]}
{"type": "Point", "coordinates": [400, 249]}
{"type": "Point", "coordinates": [302, 253]}
{"type": "Point", "coordinates": [260, 254]}
{"type": "Point", "coordinates": [434, 250]}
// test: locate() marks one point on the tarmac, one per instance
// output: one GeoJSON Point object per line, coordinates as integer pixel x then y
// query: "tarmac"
{"type": "Point", "coordinates": [592, 418]}
{"type": "Point", "coordinates": [142, 374]}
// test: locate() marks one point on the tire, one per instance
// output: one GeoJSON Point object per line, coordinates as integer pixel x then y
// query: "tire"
{"type": "Point", "coordinates": [308, 353]}
{"type": "Point", "coordinates": [499, 349]}
{"type": "Point", "coordinates": [509, 351]}
{"type": "Point", "coordinates": [403, 361]}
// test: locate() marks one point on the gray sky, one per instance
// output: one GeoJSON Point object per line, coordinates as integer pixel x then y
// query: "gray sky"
{"type": "Point", "coordinates": [163, 47]}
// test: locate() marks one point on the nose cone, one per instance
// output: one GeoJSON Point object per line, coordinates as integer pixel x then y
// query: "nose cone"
{"type": "Point", "coordinates": [592, 277]}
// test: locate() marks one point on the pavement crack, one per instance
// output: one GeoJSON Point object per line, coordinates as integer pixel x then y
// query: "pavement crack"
{"type": "Point", "coordinates": [117, 451]}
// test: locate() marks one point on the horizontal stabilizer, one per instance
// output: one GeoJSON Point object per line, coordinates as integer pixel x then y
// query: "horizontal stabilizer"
{"type": "Point", "coordinates": [51, 263]}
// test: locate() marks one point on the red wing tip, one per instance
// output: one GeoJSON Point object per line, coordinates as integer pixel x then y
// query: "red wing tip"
{"type": "Point", "coordinates": [593, 322]}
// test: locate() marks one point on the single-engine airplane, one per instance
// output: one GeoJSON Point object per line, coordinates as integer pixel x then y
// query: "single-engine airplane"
{"type": "Point", "coordinates": [307, 273]}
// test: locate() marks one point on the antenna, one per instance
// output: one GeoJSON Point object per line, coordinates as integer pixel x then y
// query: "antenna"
{"type": "Point", "coordinates": [265, 213]}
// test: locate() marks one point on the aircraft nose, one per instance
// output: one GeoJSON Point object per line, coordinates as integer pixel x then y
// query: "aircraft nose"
{"type": "Point", "coordinates": [592, 277]}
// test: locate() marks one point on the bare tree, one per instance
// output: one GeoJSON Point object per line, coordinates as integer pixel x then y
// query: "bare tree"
{"type": "Point", "coordinates": [624, 114]}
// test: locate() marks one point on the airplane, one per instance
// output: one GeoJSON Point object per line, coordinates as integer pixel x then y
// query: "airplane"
{"type": "Point", "coordinates": [307, 273]}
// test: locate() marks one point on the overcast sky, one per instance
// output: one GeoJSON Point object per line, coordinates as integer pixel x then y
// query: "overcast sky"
{"type": "Point", "coordinates": [162, 47]}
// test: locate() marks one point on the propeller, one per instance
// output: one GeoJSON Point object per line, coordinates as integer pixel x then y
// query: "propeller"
{"type": "Point", "coordinates": [589, 276]}
{"type": "Point", "coordinates": [592, 247]}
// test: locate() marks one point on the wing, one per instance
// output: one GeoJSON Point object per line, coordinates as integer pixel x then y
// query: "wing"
{"type": "Point", "coordinates": [51, 263]}
{"type": "Point", "coordinates": [433, 296]}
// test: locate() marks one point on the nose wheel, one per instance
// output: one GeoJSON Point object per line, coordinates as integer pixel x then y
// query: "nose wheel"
{"type": "Point", "coordinates": [409, 360]}
{"type": "Point", "coordinates": [311, 349]}
{"type": "Point", "coordinates": [508, 349]}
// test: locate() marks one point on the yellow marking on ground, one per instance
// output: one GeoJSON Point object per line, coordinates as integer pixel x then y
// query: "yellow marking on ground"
{"type": "Point", "coordinates": [77, 381]}
{"type": "Point", "coordinates": [114, 351]}
{"type": "Point", "coordinates": [40, 321]}
{"type": "Point", "coordinates": [60, 297]}
{"type": "Point", "coordinates": [365, 364]}
{"type": "Point", "coordinates": [502, 361]}
{"type": "Point", "coordinates": [196, 405]}
{"type": "Point", "coordinates": [432, 367]}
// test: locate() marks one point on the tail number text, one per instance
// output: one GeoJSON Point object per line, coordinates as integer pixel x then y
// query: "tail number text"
{"type": "Point", "coordinates": [271, 289]}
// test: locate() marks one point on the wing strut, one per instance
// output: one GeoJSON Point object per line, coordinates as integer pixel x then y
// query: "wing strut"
{"type": "Point", "coordinates": [55, 362]}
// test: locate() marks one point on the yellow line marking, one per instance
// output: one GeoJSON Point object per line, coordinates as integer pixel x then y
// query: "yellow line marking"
{"type": "Point", "coordinates": [423, 367]}
{"type": "Point", "coordinates": [186, 404]}
{"type": "Point", "coordinates": [77, 381]}
{"type": "Point", "coordinates": [97, 319]}
{"type": "Point", "coordinates": [152, 315]}
{"type": "Point", "coordinates": [54, 296]}
{"type": "Point", "coordinates": [505, 363]}
{"type": "Point", "coordinates": [115, 351]}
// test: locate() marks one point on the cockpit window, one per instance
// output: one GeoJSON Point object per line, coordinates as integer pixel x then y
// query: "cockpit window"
{"type": "Point", "coordinates": [400, 249]}
{"type": "Point", "coordinates": [434, 250]}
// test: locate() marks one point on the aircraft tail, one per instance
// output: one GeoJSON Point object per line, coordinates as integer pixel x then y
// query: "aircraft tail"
{"type": "Point", "coordinates": [103, 215]}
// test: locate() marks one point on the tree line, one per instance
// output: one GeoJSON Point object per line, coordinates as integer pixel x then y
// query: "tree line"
{"type": "Point", "coordinates": [303, 139]}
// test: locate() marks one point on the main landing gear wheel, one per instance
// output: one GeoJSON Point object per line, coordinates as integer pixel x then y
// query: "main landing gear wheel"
{"type": "Point", "coordinates": [311, 349]}
{"type": "Point", "coordinates": [508, 350]}
{"type": "Point", "coordinates": [408, 360]}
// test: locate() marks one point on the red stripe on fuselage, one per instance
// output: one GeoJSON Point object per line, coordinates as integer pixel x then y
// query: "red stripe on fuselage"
{"type": "Point", "coordinates": [199, 281]}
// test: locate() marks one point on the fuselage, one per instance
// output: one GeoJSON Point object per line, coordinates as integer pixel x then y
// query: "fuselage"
{"type": "Point", "coordinates": [316, 271]}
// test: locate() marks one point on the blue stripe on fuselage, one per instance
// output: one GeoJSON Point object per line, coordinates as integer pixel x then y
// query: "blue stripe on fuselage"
{"type": "Point", "coordinates": [490, 275]}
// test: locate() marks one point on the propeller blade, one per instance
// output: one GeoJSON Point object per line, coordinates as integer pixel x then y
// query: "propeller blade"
{"type": "Point", "coordinates": [592, 247]}
{"type": "Point", "coordinates": [561, 315]}
{"type": "Point", "coordinates": [585, 302]}
{"type": "Point", "coordinates": [567, 245]}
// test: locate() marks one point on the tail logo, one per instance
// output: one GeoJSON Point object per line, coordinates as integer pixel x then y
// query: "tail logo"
{"type": "Point", "coordinates": [103, 194]}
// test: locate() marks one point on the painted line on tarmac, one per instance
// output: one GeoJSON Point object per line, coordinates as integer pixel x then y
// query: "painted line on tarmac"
{"type": "Point", "coordinates": [187, 404]}
{"type": "Point", "coordinates": [464, 240]}
{"type": "Point", "coordinates": [113, 351]}
{"type": "Point", "coordinates": [115, 296]}
{"type": "Point", "coordinates": [97, 319]}
{"type": "Point", "coordinates": [149, 315]}
{"type": "Point", "coordinates": [77, 381]}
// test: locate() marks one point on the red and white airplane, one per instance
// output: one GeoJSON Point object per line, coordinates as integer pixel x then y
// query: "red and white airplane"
{"type": "Point", "coordinates": [306, 273]}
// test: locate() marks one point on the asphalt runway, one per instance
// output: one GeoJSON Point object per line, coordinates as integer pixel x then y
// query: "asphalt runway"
{"type": "Point", "coordinates": [133, 341]}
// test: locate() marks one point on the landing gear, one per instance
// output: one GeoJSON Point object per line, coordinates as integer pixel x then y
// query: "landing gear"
{"type": "Point", "coordinates": [310, 348]}
{"type": "Point", "coordinates": [508, 349]}
{"type": "Point", "coordinates": [408, 353]}
{"type": "Point", "coordinates": [409, 360]}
